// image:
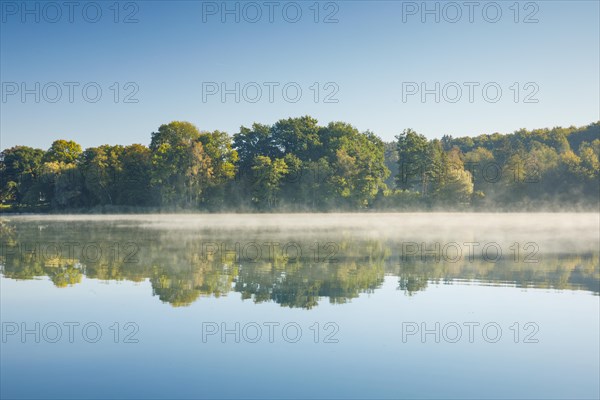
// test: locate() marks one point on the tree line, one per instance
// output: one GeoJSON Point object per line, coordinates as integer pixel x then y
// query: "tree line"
{"type": "Point", "coordinates": [298, 165]}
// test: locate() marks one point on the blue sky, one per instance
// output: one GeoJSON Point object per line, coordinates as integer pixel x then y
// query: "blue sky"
{"type": "Point", "coordinates": [367, 60]}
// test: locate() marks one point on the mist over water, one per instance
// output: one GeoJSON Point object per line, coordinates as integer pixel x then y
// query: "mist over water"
{"type": "Point", "coordinates": [554, 233]}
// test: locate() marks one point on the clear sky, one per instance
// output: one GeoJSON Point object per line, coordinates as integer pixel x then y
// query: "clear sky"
{"type": "Point", "coordinates": [372, 61]}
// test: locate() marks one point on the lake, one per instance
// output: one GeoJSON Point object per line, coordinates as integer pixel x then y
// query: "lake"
{"type": "Point", "coordinates": [444, 305]}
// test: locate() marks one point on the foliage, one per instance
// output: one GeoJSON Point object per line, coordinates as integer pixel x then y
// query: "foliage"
{"type": "Point", "coordinates": [296, 164]}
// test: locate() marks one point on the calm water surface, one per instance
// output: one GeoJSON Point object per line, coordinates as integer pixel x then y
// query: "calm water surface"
{"type": "Point", "coordinates": [300, 306]}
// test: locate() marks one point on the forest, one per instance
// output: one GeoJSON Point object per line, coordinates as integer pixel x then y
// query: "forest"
{"type": "Point", "coordinates": [298, 165]}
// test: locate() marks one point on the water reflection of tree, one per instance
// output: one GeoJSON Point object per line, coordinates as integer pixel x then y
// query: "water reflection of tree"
{"type": "Point", "coordinates": [580, 271]}
{"type": "Point", "coordinates": [65, 276]}
{"type": "Point", "coordinates": [180, 274]}
{"type": "Point", "coordinates": [182, 286]}
{"type": "Point", "coordinates": [302, 284]}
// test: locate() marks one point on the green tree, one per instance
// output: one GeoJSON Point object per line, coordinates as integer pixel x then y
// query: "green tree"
{"type": "Point", "coordinates": [63, 151]}
{"type": "Point", "coordinates": [357, 162]}
{"type": "Point", "coordinates": [412, 160]}
{"type": "Point", "coordinates": [590, 166]}
{"type": "Point", "coordinates": [181, 169]}
{"type": "Point", "coordinates": [61, 184]}
{"type": "Point", "coordinates": [136, 164]}
{"type": "Point", "coordinates": [250, 143]}
{"type": "Point", "coordinates": [268, 175]}
{"type": "Point", "coordinates": [391, 162]}
{"type": "Point", "coordinates": [19, 170]}
{"type": "Point", "coordinates": [102, 173]}
{"type": "Point", "coordinates": [297, 136]}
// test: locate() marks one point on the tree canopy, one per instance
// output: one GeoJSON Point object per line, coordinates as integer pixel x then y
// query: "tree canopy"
{"type": "Point", "coordinates": [298, 165]}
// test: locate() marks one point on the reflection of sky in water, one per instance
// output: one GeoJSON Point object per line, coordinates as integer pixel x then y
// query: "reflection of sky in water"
{"type": "Point", "coordinates": [370, 359]}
